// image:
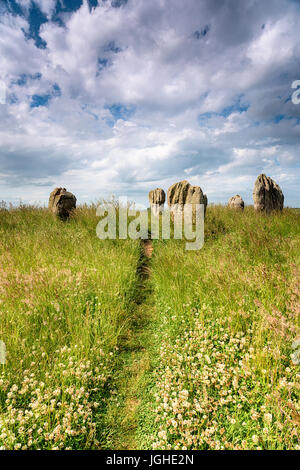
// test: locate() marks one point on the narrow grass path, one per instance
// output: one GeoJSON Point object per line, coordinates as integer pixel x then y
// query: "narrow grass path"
{"type": "Point", "coordinates": [134, 358]}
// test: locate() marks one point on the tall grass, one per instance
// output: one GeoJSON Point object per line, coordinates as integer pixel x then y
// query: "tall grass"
{"type": "Point", "coordinates": [65, 301]}
{"type": "Point", "coordinates": [198, 355]}
{"type": "Point", "coordinates": [227, 316]}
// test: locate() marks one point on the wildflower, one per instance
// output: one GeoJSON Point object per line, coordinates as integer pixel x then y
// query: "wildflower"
{"type": "Point", "coordinates": [268, 418]}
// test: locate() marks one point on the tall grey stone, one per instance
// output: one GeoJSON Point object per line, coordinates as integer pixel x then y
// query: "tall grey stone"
{"type": "Point", "coordinates": [267, 195]}
{"type": "Point", "coordinates": [236, 202]}
{"type": "Point", "coordinates": [62, 203]}
{"type": "Point", "coordinates": [157, 199]}
{"type": "Point", "coordinates": [182, 193]}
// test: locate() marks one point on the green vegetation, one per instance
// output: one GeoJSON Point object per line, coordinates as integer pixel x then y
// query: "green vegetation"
{"type": "Point", "coordinates": [65, 304]}
{"type": "Point", "coordinates": [227, 315]}
{"type": "Point", "coordinates": [192, 354]}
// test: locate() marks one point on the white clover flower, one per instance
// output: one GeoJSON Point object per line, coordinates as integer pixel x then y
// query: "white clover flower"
{"type": "Point", "coordinates": [268, 418]}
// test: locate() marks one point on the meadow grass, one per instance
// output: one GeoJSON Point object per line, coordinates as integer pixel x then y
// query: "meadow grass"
{"type": "Point", "coordinates": [221, 374]}
{"type": "Point", "coordinates": [194, 355]}
{"type": "Point", "coordinates": [65, 302]}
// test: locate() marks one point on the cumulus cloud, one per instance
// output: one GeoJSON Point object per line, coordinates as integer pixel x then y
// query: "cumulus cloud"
{"type": "Point", "coordinates": [118, 96]}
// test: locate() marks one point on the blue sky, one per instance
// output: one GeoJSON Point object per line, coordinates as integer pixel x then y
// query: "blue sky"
{"type": "Point", "coordinates": [122, 96]}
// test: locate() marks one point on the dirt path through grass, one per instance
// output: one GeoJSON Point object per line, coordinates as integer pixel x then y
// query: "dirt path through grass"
{"type": "Point", "coordinates": [135, 359]}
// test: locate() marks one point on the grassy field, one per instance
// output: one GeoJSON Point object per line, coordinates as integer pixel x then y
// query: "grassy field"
{"type": "Point", "coordinates": [191, 353]}
{"type": "Point", "coordinates": [227, 315]}
{"type": "Point", "coordinates": [65, 303]}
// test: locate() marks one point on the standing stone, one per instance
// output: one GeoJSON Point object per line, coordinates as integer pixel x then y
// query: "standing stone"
{"type": "Point", "coordinates": [236, 202]}
{"type": "Point", "coordinates": [157, 199]}
{"type": "Point", "coordinates": [267, 195]}
{"type": "Point", "coordinates": [183, 193]}
{"type": "Point", "coordinates": [61, 203]}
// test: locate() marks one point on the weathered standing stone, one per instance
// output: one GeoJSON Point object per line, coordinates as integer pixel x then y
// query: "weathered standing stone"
{"type": "Point", "coordinates": [61, 203]}
{"type": "Point", "coordinates": [183, 193]}
{"type": "Point", "coordinates": [157, 196]}
{"type": "Point", "coordinates": [236, 202]}
{"type": "Point", "coordinates": [267, 195]}
{"type": "Point", "coordinates": [157, 199]}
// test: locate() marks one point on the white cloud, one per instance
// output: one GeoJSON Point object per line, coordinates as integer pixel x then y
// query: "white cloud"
{"type": "Point", "coordinates": [146, 57]}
